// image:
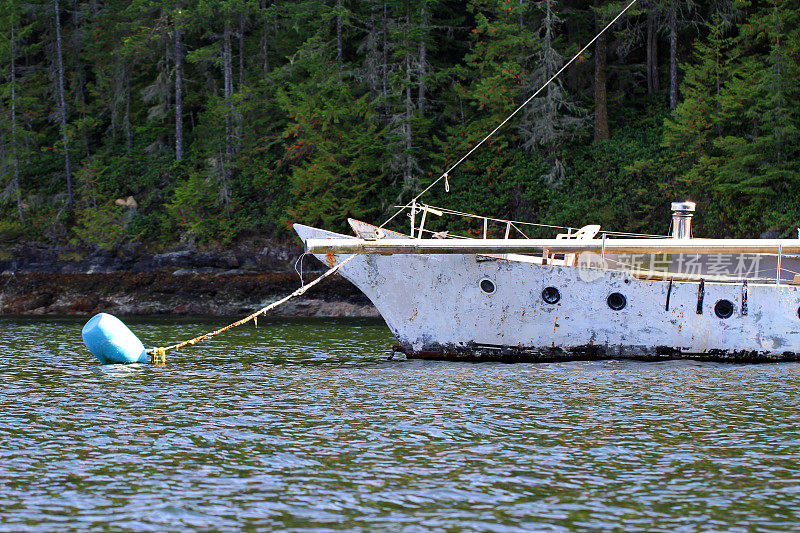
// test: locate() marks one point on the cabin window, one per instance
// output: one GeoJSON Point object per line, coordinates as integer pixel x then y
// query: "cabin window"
{"type": "Point", "coordinates": [487, 286]}
{"type": "Point", "coordinates": [724, 309]}
{"type": "Point", "coordinates": [551, 295]}
{"type": "Point", "coordinates": [617, 301]}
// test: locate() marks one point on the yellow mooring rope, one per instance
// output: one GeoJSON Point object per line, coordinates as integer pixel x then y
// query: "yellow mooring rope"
{"type": "Point", "coordinates": [159, 353]}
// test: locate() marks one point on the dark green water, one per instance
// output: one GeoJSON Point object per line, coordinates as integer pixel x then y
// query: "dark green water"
{"type": "Point", "coordinates": [305, 425]}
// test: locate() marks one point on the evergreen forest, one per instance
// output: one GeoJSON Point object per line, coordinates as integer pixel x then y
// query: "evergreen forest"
{"type": "Point", "coordinates": [213, 121]}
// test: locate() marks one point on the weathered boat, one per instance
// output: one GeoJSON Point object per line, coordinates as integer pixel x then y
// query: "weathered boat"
{"type": "Point", "coordinates": [585, 294]}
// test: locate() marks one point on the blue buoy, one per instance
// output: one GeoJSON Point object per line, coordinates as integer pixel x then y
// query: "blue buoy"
{"type": "Point", "coordinates": [111, 341]}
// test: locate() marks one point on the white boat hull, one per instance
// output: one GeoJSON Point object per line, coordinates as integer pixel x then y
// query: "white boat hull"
{"type": "Point", "coordinates": [435, 307]}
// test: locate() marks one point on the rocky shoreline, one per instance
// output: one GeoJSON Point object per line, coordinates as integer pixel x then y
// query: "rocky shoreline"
{"type": "Point", "coordinates": [37, 279]}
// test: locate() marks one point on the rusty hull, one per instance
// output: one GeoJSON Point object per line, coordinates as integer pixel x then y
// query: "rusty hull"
{"type": "Point", "coordinates": [436, 309]}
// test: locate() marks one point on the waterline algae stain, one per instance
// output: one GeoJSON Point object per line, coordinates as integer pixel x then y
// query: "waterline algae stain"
{"type": "Point", "coordinates": [304, 425]}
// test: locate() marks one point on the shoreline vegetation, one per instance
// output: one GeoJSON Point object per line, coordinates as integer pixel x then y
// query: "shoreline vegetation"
{"type": "Point", "coordinates": [138, 128]}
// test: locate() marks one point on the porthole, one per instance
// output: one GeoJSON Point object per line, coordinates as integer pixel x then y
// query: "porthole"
{"type": "Point", "coordinates": [551, 295]}
{"type": "Point", "coordinates": [724, 309]}
{"type": "Point", "coordinates": [487, 286]}
{"type": "Point", "coordinates": [617, 301]}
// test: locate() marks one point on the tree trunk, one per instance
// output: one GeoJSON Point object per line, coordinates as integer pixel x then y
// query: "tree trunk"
{"type": "Point", "coordinates": [3, 150]}
{"type": "Point", "coordinates": [423, 63]}
{"type": "Point", "coordinates": [371, 56]}
{"type": "Point", "coordinates": [652, 51]}
{"type": "Point", "coordinates": [265, 50]}
{"type": "Point", "coordinates": [601, 131]}
{"type": "Point", "coordinates": [779, 131]}
{"type": "Point", "coordinates": [241, 50]}
{"type": "Point", "coordinates": [126, 122]}
{"type": "Point", "coordinates": [654, 62]}
{"type": "Point", "coordinates": [339, 33]}
{"type": "Point", "coordinates": [409, 104]}
{"type": "Point", "coordinates": [550, 69]}
{"type": "Point", "coordinates": [178, 90]}
{"type": "Point", "coordinates": [673, 55]}
{"type": "Point", "coordinates": [520, 29]}
{"type": "Point", "coordinates": [575, 68]}
{"type": "Point", "coordinates": [227, 67]}
{"type": "Point", "coordinates": [62, 106]}
{"type": "Point", "coordinates": [14, 150]}
{"type": "Point", "coordinates": [385, 66]}
{"type": "Point", "coordinates": [547, 25]}
{"type": "Point", "coordinates": [227, 73]}
{"type": "Point", "coordinates": [79, 77]}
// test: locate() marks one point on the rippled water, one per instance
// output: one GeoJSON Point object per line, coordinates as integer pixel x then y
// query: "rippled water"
{"type": "Point", "coordinates": [302, 425]}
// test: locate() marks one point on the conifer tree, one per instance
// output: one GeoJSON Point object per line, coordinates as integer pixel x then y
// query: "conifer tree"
{"type": "Point", "coordinates": [407, 84]}
{"type": "Point", "coordinates": [553, 118]}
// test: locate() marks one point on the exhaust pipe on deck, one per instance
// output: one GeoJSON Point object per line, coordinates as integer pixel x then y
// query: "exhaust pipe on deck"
{"type": "Point", "coordinates": [682, 213]}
